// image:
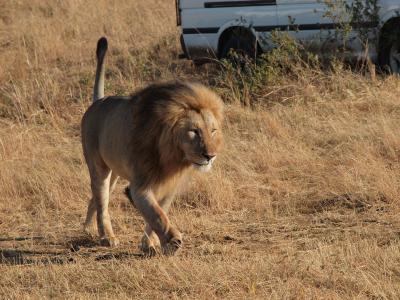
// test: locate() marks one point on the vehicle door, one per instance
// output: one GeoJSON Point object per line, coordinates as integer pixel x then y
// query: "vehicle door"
{"type": "Point", "coordinates": [314, 22]}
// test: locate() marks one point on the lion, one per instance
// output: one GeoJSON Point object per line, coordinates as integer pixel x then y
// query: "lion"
{"type": "Point", "coordinates": [153, 139]}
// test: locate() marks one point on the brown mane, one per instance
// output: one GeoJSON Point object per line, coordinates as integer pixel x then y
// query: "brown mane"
{"type": "Point", "coordinates": [157, 109]}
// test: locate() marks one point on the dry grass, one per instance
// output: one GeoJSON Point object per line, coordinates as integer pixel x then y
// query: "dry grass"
{"type": "Point", "coordinates": [303, 203]}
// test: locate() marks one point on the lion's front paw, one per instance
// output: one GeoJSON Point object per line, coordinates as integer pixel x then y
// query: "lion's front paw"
{"type": "Point", "coordinates": [173, 245]}
{"type": "Point", "coordinates": [148, 250]}
{"type": "Point", "coordinates": [148, 247]}
{"type": "Point", "coordinates": [109, 242]}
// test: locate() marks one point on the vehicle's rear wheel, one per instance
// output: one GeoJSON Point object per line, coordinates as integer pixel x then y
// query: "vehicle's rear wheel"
{"type": "Point", "coordinates": [239, 49]}
{"type": "Point", "coordinates": [240, 45]}
{"type": "Point", "coordinates": [389, 54]}
{"type": "Point", "coordinates": [394, 58]}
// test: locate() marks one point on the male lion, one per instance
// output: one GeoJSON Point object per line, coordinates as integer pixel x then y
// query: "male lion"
{"type": "Point", "coordinates": [151, 138]}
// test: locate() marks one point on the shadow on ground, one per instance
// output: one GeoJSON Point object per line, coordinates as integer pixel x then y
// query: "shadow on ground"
{"type": "Point", "coordinates": [27, 257]}
{"type": "Point", "coordinates": [65, 253]}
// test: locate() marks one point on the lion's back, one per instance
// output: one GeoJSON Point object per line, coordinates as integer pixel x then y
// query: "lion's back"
{"type": "Point", "coordinates": [100, 121]}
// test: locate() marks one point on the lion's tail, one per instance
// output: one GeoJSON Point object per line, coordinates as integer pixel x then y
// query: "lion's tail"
{"type": "Point", "coordinates": [98, 90]}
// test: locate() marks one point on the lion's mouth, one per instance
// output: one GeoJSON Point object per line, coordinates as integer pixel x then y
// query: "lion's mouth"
{"type": "Point", "coordinates": [201, 164]}
{"type": "Point", "coordinates": [204, 165]}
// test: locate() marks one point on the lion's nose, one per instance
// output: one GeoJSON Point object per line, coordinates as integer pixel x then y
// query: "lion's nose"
{"type": "Point", "coordinates": [209, 156]}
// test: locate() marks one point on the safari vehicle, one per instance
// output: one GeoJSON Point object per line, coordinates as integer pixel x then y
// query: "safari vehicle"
{"type": "Point", "coordinates": [210, 29]}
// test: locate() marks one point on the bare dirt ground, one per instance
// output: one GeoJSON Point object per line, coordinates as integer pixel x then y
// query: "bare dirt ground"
{"type": "Point", "coordinates": [303, 203]}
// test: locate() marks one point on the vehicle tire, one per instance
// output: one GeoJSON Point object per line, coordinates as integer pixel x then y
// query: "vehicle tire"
{"type": "Point", "coordinates": [389, 53]}
{"type": "Point", "coordinates": [244, 47]}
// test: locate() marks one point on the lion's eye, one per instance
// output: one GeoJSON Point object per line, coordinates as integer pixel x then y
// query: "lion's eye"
{"type": "Point", "coordinates": [193, 133]}
{"type": "Point", "coordinates": [213, 131]}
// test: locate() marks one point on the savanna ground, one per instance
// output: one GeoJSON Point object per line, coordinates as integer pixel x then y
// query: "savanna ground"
{"type": "Point", "coordinates": [302, 204]}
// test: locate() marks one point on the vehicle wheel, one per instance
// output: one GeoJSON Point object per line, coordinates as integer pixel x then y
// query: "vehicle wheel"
{"type": "Point", "coordinates": [244, 48]}
{"type": "Point", "coordinates": [389, 56]}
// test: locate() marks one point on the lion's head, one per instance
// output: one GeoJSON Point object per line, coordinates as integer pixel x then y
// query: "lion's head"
{"type": "Point", "coordinates": [200, 138]}
{"type": "Point", "coordinates": [193, 118]}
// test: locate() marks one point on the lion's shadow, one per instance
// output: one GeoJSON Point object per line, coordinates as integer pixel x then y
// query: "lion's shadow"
{"type": "Point", "coordinates": [28, 257]}
{"type": "Point", "coordinates": [72, 250]}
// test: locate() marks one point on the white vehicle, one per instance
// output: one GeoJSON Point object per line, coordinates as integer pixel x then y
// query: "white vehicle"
{"type": "Point", "coordinates": [211, 28]}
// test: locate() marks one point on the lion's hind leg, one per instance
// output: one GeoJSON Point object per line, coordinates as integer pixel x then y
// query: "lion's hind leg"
{"type": "Point", "coordinates": [100, 177]}
{"type": "Point", "coordinates": [90, 216]}
{"type": "Point", "coordinates": [113, 181]}
{"type": "Point", "coordinates": [92, 207]}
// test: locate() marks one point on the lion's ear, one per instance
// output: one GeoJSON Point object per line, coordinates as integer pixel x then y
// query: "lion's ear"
{"type": "Point", "coordinates": [217, 106]}
{"type": "Point", "coordinates": [219, 109]}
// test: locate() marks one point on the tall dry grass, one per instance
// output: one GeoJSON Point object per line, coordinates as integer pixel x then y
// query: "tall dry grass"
{"type": "Point", "coordinates": [303, 203]}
